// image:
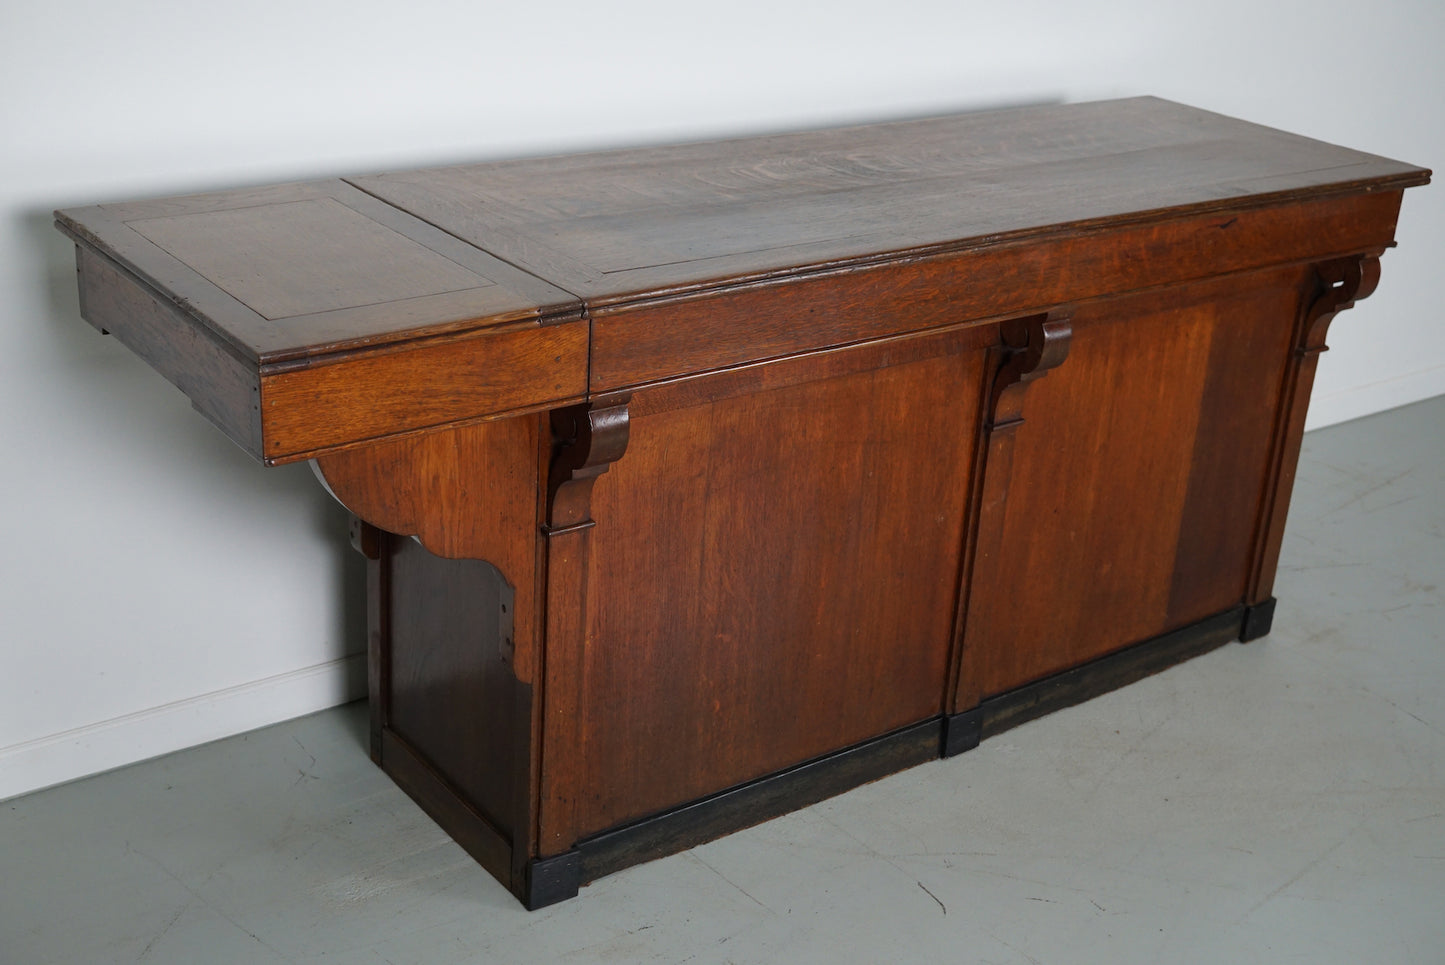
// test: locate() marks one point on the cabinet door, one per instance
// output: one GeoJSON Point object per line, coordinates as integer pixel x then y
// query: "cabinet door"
{"type": "Point", "coordinates": [1137, 477]}
{"type": "Point", "coordinates": [774, 571]}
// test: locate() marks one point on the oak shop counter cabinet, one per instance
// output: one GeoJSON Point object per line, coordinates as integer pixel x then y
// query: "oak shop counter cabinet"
{"type": "Point", "coordinates": [700, 483]}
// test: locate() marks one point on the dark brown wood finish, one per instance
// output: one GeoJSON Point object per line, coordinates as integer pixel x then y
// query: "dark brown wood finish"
{"type": "Point", "coordinates": [302, 270]}
{"type": "Point", "coordinates": [353, 399]}
{"type": "Point", "coordinates": [1031, 348]}
{"type": "Point", "coordinates": [587, 440]}
{"type": "Point", "coordinates": [644, 341]}
{"type": "Point", "coordinates": [374, 546]}
{"type": "Point", "coordinates": [1126, 416]}
{"type": "Point", "coordinates": [701, 482]}
{"type": "Point", "coordinates": [216, 378]}
{"type": "Point", "coordinates": [623, 225]}
{"type": "Point", "coordinates": [790, 559]}
{"type": "Point", "coordinates": [306, 318]}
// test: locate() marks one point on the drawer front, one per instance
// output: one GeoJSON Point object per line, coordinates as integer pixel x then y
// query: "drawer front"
{"type": "Point", "coordinates": [370, 396]}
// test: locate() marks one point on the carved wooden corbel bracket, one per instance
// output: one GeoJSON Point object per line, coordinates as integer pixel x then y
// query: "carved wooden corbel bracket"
{"type": "Point", "coordinates": [587, 440]}
{"type": "Point", "coordinates": [1342, 282]}
{"type": "Point", "coordinates": [1033, 346]}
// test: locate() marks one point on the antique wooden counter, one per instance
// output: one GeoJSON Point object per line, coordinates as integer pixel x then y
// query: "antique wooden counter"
{"type": "Point", "coordinates": [741, 473]}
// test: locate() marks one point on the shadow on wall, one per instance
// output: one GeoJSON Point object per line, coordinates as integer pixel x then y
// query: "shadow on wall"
{"type": "Point", "coordinates": [153, 422]}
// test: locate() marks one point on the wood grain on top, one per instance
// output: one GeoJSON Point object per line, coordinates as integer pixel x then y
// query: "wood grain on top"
{"type": "Point", "coordinates": [300, 270]}
{"type": "Point", "coordinates": [620, 225]}
{"type": "Point", "coordinates": [260, 255]}
{"type": "Point", "coordinates": [311, 317]}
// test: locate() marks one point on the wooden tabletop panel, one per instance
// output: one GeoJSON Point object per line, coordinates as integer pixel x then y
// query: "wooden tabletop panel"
{"type": "Point", "coordinates": [623, 225]}
{"type": "Point", "coordinates": [302, 270]}
{"type": "Point", "coordinates": [308, 317]}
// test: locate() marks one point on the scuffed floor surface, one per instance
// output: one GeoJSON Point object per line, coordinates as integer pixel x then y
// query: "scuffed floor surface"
{"type": "Point", "coordinates": [1282, 801]}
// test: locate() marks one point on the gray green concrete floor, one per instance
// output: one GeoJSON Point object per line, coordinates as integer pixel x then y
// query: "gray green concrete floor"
{"type": "Point", "coordinates": [1281, 801]}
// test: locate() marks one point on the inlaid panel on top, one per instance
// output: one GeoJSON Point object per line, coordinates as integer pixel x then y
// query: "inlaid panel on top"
{"type": "Point", "coordinates": [619, 224]}
{"type": "Point", "coordinates": [304, 270]}
{"type": "Point", "coordinates": [263, 255]}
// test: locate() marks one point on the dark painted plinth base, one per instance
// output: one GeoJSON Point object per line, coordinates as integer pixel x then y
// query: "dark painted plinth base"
{"type": "Point", "coordinates": [550, 880]}
{"type": "Point", "coordinates": [1257, 620]}
{"type": "Point", "coordinates": [547, 881]}
{"type": "Point", "coordinates": [757, 801]}
{"type": "Point", "coordinates": [1107, 673]}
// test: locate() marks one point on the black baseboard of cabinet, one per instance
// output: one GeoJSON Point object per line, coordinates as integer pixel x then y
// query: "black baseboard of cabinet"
{"type": "Point", "coordinates": [998, 714]}
{"type": "Point", "coordinates": [554, 879]}
{"type": "Point", "coordinates": [758, 801]}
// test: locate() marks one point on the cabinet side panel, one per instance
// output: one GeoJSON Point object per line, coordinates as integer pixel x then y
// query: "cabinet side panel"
{"type": "Point", "coordinates": [460, 619]}
{"type": "Point", "coordinates": [773, 577]}
{"type": "Point", "coordinates": [453, 697]}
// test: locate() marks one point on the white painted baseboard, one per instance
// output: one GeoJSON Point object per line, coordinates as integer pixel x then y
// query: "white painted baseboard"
{"type": "Point", "coordinates": [108, 744]}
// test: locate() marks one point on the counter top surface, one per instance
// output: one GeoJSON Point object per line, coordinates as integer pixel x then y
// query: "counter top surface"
{"type": "Point", "coordinates": [298, 271]}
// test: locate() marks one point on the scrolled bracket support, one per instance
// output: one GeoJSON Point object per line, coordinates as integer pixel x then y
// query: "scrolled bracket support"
{"type": "Point", "coordinates": [587, 440]}
{"type": "Point", "coordinates": [1341, 282]}
{"type": "Point", "coordinates": [1032, 345]}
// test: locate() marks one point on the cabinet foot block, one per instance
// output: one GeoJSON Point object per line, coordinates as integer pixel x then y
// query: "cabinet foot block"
{"type": "Point", "coordinates": [961, 732]}
{"type": "Point", "coordinates": [1257, 620]}
{"type": "Point", "coordinates": [554, 879]}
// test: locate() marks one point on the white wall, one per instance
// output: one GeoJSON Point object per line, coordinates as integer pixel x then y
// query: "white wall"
{"type": "Point", "coordinates": [158, 589]}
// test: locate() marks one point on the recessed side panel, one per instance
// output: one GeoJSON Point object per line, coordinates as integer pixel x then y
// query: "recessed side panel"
{"type": "Point", "coordinates": [453, 696]}
{"type": "Point", "coordinates": [773, 577]}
